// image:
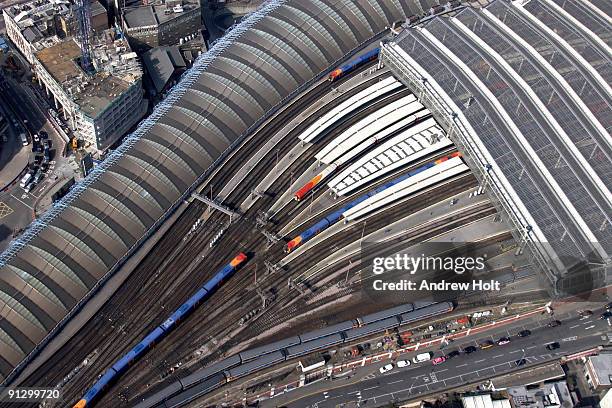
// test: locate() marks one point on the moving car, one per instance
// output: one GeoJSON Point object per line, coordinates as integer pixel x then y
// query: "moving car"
{"type": "Point", "coordinates": [385, 368]}
{"type": "Point", "coordinates": [469, 349]}
{"type": "Point", "coordinates": [486, 344]}
{"type": "Point", "coordinates": [520, 362]}
{"type": "Point", "coordinates": [606, 315]}
{"type": "Point", "coordinates": [438, 360]}
{"type": "Point", "coordinates": [553, 346]}
{"type": "Point", "coordinates": [524, 333]}
{"type": "Point", "coordinates": [585, 313]}
{"type": "Point", "coordinates": [554, 323]}
{"type": "Point", "coordinates": [503, 340]}
{"type": "Point", "coordinates": [403, 363]}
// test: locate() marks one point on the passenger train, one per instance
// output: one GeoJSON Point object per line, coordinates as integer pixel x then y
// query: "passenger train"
{"type": "Point", "coordinates": [247, 362]}
{"type": "Point", "coordinates": [354, 64]}
{"type": "Point", "coordinates": [161, 331]}
{"type": "Point", "coordinates": [337, 215]}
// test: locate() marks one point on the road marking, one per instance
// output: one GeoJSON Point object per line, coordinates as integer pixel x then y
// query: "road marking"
{"type": "Point", "coordinates": [530, 347]}
{"type": "Point", "coordinates": [371, 388]}
{"type": "Point", "coordinates": [515, 351]}
{"type": "Point", "coordinates": [22, 201]}
{"type": "Point", "coordinates": [589, 328]}
{"type": "Point", "coordinates": [501, 355]}
{"type": "Point", "coordinates": [570, 338]}
{"type": "Point", "coordinates": [479, 361]}
{"type": "Point", "coordinates": [462, 365]}
{"type": "Point", "coordinates": [5, 210]}
{"type": "Point", "coordinates": [395, 382]}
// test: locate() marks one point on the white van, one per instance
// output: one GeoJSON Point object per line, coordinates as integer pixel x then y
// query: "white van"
{"type": "Point", "coordinates": [24, 139]}
{"type": "Point", "coordinates": [25, 180]}
{"type": "Point", "coordinates": [422, 357]}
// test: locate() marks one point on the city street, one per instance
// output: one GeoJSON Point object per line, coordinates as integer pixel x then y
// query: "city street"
{"type": "Point", "coordinates": [18, 208]}
{"type": "Point", "coordinates": [371, 388]}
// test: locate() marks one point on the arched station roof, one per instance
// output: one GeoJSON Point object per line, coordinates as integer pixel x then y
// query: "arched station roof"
{"type": "Point", "coordinates": [58, 261]}
{"type": "Point", "coordinates": [528, 84]}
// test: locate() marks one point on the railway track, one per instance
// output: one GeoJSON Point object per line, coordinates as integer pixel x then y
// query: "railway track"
{"type": "Point", "coordinates": [276, 313]}
{"type": "Point", "coordinates": [121, 308]}
{"type": "Point", "coordinates": [173, 269]}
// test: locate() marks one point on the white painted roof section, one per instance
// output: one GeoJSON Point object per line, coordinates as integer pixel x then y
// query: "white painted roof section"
{"type": "Point", "coordinates": [379, 124]}
{"type": "Point", "coordinates": [312, 133]}
{"type": "Point", "coordinates": [363, 171]}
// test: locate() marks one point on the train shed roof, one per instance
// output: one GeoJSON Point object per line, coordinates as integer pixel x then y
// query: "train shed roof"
{"type": "Point", "coordinates": [532, 81]}
{"type": "Point", "coordinates": [62, 256]}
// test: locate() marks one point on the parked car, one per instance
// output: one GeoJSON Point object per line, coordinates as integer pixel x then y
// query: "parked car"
{"type": "Point", "coordinates": [422, 357]}
{"type": "Point", "coordinates": [469, 349]}
{"type": "Point", "coordinates": [486, 344]}
{"type": "Point", "coordinates": [524, 333]}
{"type": "Point", "coordinates": [36, 138]}
{"type": "Point", "coordinates": [385, 368]}
{"type": "Point", "coordinates": [43, 134]}
{"type": "Point", "coordinates": [454, 353]}
{"type": "Point", "coordinates": [554, 323]}
{"type": "Point", "coordinates": [553, 346]}
{"type": "Point", "coordinates": [38, 176]}
{"type": "Point", "coordinates": [438, 360]}
{"type": "Point", "coordinates": [25, 180]}
{"type": "Point", "coordinates": [503, 340]}
{"type": "Point", "coordinates": [403, 363]}
{"type": "Point", "coordinates": [29, 187]}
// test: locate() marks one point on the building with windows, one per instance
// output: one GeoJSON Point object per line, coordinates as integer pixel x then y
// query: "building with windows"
{"type": "Point", "coordinates": [99, 108]}
{"type": "Point", "coordinates": [36, 25]}
{"type": "Point", "coordinates": [598, 371]}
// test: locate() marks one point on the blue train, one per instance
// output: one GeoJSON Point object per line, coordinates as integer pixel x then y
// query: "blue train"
{"type": "Point", "coordinates": [159, 332]}
{"type": "Point", "coordinates": [337, 215]}
{"type": "Point", "coordinates": [183, 391]}
{"type": "Point", "coordinates": [350, 66]}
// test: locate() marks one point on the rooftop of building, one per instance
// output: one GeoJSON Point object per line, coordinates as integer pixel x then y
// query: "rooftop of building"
{"type": "Point", "coordinates": [547, 395]}
{"type": "Point", "coordinates": [36, 11]}
{"type": "Point", "coordinates": [162, 63]}
{"type": "Point", "coordinates": [158, 13]}
{"type": "Point", "coordinates": [116, 69]}
{"type": "Point", "coordinates": [602, 367]}
{"type": "Point", "coordinates": [483, 401]}
{"type": "Point", "coordinates": [549, 155]}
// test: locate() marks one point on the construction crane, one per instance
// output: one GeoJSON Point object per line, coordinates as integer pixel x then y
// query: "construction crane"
{"type": "Point", "coordinates": [83, 16]}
